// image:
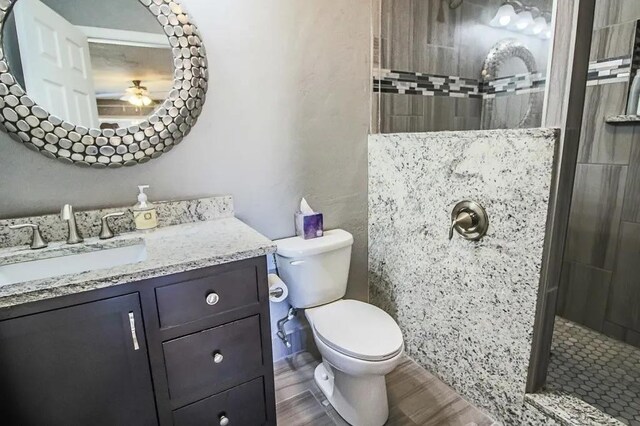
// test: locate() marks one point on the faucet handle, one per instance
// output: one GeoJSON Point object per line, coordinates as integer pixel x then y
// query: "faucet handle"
{"type": "Point", "coordinates": [37, 241]}
{"type": "Point", "coordinates": [470, 220]}
{"type": "Point", "coordinates": [105, 231]}
{"type": "Point", "coordinates": [465, 220]}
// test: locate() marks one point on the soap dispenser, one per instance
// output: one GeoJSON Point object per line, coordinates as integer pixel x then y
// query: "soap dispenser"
{"type": "Point", "coordinates": [144, 212]}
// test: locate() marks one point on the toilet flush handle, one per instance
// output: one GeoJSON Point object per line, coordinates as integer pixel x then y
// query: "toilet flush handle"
{"type": "Point", "coordinates": [296, 262]}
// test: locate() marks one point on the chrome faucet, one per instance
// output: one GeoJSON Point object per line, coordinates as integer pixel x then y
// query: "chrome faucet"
{"type": "Point", "coordinates": [67, 214]}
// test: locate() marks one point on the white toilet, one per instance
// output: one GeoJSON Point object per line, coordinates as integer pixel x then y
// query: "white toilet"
{"type": "Point", "coordinates": [359, 342]}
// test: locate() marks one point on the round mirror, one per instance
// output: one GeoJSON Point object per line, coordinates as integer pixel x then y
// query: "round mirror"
{"type": "Point", "coordinates": [100, 83]}
{"type": "Point", "coordinates": [510, 72]}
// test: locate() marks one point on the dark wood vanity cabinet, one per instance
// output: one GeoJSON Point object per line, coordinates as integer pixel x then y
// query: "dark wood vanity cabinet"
{"type": "Point", "coordinates": [75, 366]}
{"type": "Point", "coordinates": [187, 349]}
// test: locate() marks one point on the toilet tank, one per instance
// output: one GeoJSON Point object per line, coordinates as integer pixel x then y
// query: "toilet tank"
{"type": "Point", "coordinates": [315, 270]}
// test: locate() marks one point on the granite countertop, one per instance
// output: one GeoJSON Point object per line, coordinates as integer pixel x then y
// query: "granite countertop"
{"type": "Point", "coordinates": [169, 250]}
{"type": "Point", "coordinates": [569, 410]}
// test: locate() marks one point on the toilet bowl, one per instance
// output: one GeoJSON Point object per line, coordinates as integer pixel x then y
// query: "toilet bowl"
{"type": "Point", "coordinates": [359, 342]}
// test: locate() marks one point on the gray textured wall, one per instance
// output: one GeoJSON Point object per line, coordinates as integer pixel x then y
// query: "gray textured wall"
{"type": "Point", "coordinates": [287, 116]}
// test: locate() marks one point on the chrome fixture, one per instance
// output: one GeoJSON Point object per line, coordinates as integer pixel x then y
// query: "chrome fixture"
{"type": "Point", "coordinates": [217, 357]}
{"type": "Point", "coordinates": [212, 298]}
{"type": "Point", "coordinates": [37, 241]}
{"type": "Point", "coordinates": [282, 333]}
{"type": "Point", "coordinates": [470, 220]}
{"type": "Point", "coordinates": [105, 231]}
{"type": "Point", "coordinates": [67, 214]}
{"type": "Point", "coordinates": [278, 292]}
{"type": "Point", "coordinates": [134, 335]}
{"type": "Point", "coordinates": [224, 420]}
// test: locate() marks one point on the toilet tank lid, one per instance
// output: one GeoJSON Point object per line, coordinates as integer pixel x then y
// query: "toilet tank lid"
{"type": "Point", "coordinates": [299, 247]}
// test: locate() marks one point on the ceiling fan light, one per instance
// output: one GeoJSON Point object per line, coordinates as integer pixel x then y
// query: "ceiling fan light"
{"type": "Point", "coordinates": [136, 101]}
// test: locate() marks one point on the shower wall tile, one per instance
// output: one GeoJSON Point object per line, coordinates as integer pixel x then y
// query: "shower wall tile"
{"type": "Point", "coordinates": [612, 12]}
{"type": "Point", "coordinates": [436, 23]}
{"type": "Point", "coordinates": [601, 142]}
{"type": "Point", "coordinates": [439, 113]}
{"type": "Point", "coordinates": [624, 299]}
{"type": "Point", "coordinates": [437, 60]}
{"type": "Point", "coordinates": [583, 294]}
{"type": "Point", "coordinates": [417, 113]}
{"type": "Point", "coordinates": [633, 338]}
{"type": "Point", "coordinates": [397, 34]}
{"type": "Point", "coordinates": [613, 41]}
{"type": "Point", "coordinates": [594, 220]}
{"type": "Point", "coordinates": [631, 211]}
{"type": "Point", "coordinates": [607, 184]}
{"type": "Point", "coordinates": [396, 124]}
{"type": "Point", "coordinates": [466, 309]}
{"type": "Point", "coordinates": [614, 330]}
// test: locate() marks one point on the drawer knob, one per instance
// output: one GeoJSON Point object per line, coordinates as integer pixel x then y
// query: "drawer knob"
{"type": "Point", "coordinates": [212, 299]}
{"type": "Point", "coordinates": [224, 420]}
{"type": "Point", "coordinates": [217, 357]}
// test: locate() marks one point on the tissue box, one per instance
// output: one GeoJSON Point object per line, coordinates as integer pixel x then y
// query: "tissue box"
{"type": "Point", "coordinates": [309, 225]}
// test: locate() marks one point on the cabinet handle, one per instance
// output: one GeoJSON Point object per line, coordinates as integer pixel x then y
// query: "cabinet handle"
{"type": "Point", "coordinates": [224, 420]}
{"type": "Point", "coordinates": [212, 299]}
{"type": "Point", "coordinates": [134, 336]}
{"type": "Point", "coordinates": [217, 357]}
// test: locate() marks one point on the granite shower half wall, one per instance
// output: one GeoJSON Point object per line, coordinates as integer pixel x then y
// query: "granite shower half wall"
{"type": "Point", "coordinates": [466, 308]}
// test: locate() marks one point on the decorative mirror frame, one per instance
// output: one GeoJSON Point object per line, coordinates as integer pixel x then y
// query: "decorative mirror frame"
{"type": "Point", "coordinates": [28, 123]}
{"type": "Point", "coordinates": [499, 53]}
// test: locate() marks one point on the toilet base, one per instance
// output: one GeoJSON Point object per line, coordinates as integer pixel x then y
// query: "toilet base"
{"type": "Point", "coordinates": [360, 400]}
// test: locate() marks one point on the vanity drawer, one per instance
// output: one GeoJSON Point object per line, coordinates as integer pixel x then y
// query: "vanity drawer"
{"type": "Point", "coordinates": [203, 297]}
{"type": "Point", "coordinates": [243, 405]}
{"type": "Point", "coordinates": [210, 361]}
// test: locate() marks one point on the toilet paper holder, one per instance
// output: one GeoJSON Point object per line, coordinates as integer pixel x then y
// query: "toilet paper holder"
{"type": "Point", "coordinates": [276, 292]}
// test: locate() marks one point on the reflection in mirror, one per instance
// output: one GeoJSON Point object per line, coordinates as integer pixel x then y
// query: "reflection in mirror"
{"type": "Point", "coordinates": [429, 61]}
{"type": "Point", "coordinates": [510, 68]}
{"type": "Point", "coordinates": [97, 64]}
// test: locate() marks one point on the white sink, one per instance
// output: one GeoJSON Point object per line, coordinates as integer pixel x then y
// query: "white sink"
{"type": "Point", "coordinates": [71, 264]}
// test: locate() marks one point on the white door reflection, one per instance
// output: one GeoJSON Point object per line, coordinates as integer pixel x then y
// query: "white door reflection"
{"type": "Point", "coordinates": [97, 64]}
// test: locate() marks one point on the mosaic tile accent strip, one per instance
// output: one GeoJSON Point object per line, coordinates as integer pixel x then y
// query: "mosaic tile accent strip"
{"type": "Point", "coordinates": [518, 84]}
{"type": "Point", "coordinates": [599, 370]}
{"type": "Point", "coordinates": [415, 83]}
{"type": "Point", "coordinates": [610, 70]}
{"type": "Point", "coordinates": [605, 71]}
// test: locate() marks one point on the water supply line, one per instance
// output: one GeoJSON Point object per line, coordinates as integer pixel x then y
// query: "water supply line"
{"type": "Point", "coordinates": [291, 314]}
{"type": "Point", "coordinates": [282, 333]}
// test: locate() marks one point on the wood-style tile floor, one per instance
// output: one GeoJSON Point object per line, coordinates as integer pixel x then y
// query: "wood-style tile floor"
{"type": "Point", "coordinates": [416, 397]}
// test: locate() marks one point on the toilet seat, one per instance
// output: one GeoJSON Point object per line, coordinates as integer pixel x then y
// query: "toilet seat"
{"type": "Point", "coordinates": [358, 330]}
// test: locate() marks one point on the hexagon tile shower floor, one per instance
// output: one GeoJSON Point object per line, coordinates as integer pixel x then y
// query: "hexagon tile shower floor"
{"type": "Point", "coordinates": [599, 370]}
